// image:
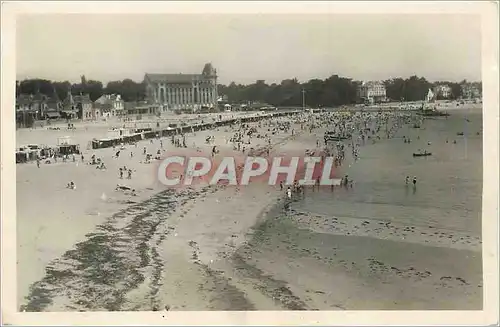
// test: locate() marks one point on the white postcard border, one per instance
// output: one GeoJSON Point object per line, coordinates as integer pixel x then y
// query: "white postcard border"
{"type": "Point", "coordinates": [490, 78]}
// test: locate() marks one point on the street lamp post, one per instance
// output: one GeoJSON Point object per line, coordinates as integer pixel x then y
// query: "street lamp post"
{"type": "Point", "coordinates": [465, 136]}
{"type": "Point", "coordinates": [303, 99]}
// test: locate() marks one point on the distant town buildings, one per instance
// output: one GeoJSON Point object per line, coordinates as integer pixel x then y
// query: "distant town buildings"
{"type": "Point", "coordinates": [109, 105]}
{"type": "Point", "coordinates": [28, 102]}
{"type": "Point", "coordinates": [142, 108]}
{"type": "Point", "coordinates": [35, 106]}
{"type": "Point", "coordinates": [41, 107]}
{"type": "Point", "coordinates": [183, 91]}
{"type": "Point", "coordinates": [84, 107]}
{"type": "Point", "coordinates": [371, 92]}
{"type": "Point", "coordinates": [471, 91]}
{"type": "Point", "coordinates": [443, 91]}
{"type": "Point", "coordinates": [223, 98]}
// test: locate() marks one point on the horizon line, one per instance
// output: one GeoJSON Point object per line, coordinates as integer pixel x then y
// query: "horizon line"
{"type": "Point", "coordinates": [265, 81]}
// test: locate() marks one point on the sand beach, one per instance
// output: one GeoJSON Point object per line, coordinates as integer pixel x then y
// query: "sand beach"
{"type": "Point", "coordinates": [377, 245]}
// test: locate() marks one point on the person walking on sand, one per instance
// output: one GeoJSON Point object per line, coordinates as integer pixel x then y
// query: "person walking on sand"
{"type": "Point", "coordinates": [414, 181]}
{"type": "Point", "coordinates": [407, 180]}
{"type": "Point", "coordinates": [121, 173]}
{"type": "Point", "coordinates": [281, 186]}
{"type": "Point", "coordinates": [129, 174]}
{"type": "Point", "coordinates": [289, 193]}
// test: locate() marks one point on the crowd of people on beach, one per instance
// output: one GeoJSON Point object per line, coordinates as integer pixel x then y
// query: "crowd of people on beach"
{"type": "Point", "coordinates": [352, 130]}
{"type": "Point", "coordinates": [344, 132]}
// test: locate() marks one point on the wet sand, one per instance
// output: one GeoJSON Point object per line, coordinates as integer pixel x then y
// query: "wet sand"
{"type": "Point", "coordinates": [323, 271]}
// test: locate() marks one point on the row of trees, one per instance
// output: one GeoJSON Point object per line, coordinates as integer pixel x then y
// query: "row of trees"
{"type": "Point", "coordinates": [332, 91]}
{"type": "Point", "coordinates": [128, 89]}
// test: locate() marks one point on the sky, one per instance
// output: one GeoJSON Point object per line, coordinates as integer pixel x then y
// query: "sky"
{"type": "Point", "coordinates": [246, 48]}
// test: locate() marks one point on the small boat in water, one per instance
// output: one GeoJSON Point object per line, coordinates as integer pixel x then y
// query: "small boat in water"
{"type": "Point", "coordinates": [432, 113]}
{"type": "Point", "coordinates": [422, 154]}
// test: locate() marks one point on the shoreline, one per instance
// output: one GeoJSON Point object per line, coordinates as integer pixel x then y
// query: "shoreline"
{"type": "Point", "coordinates": [46, 295]}
{"type": "Point", "coordinates": [226, 248]}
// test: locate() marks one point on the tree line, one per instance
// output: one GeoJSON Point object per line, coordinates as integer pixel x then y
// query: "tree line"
{"type": "Point", "coordinates": [332, 91]}
{"type": "Point", "coordinates": [128, 89]}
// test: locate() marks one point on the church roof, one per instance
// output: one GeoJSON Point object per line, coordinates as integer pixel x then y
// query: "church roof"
{"type": "Point", "coordinates": [171, 78]}
{"type": "Point", "coordinates": [208, 71]}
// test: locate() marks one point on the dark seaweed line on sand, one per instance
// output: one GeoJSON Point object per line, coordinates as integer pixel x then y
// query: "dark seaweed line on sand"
{"type": "Point", "coordinates": [99, 272]}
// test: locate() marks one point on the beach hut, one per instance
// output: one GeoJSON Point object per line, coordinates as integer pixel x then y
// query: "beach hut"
{"type": "Point", "coordinates": [52, 115]}
{"type": "Point", "coordinates": [66, 146]}
{"type": "Point", "coordinates": [27, 153]}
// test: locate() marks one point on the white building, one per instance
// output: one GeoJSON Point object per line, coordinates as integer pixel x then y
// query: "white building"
{"type": "Point", "coordinates": [443, 91]}
{"type": "Point", "coordinates": [183, 91]}
{"type": "Point", "coordinates": [372, 92]}
{"type": "Point", "coordinates": [431, 96]}
{"type": "Point", "coordinates": [109, 105]}
{"type": "Point", "coordinates": [470, 91]}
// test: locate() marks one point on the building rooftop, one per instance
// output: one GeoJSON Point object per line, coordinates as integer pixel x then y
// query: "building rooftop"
{"type": "Point", "coordinates": [372, 84]}
{"type": "Point", "coordinates": [108, 98]}
{"type": "Point", "coordinates": [24, 99]}
{"type": "Point", "coordinates": [82, 98]}
{"type": "Point", "coordinates": [172, 78]}
{"type": "Point", "coordinates": [208, 71]}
